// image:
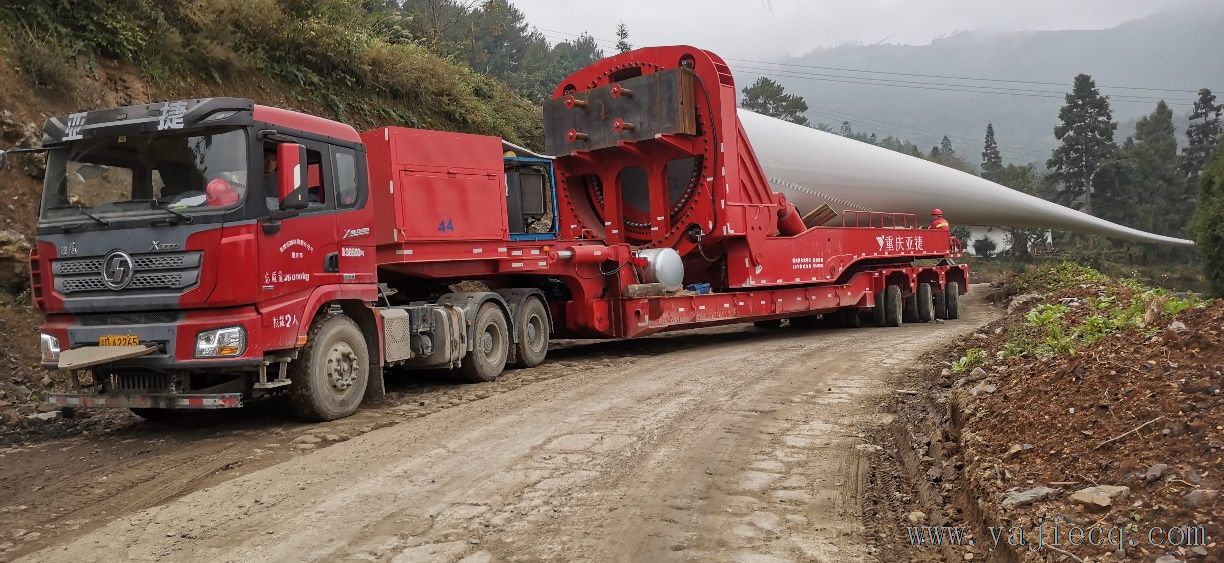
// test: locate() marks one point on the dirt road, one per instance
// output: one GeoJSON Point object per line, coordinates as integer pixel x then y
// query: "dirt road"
{"type": "Point", "coordinates": [720, 444]}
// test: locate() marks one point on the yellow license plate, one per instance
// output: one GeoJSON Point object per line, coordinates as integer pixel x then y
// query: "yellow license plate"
{"type": "Point", "coordinates": [119, 340]}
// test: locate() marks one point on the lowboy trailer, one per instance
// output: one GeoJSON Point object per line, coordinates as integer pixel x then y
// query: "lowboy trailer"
{"type": "Point", "coordinates": [202, 253]}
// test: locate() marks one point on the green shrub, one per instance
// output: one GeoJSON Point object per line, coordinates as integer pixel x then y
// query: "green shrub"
{"type": "Point", "coordinates": [49, 69]}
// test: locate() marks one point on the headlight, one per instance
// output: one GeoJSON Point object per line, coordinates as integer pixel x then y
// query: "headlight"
{"type": "Point", "coordinates": [229, 341]}
{"type": "Point", "coordinates": [50, 349]}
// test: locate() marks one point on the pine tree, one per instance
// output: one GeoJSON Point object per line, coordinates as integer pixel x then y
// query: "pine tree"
{"type": "Point", "coordinates": [1140, 185]}
{"type": "Point", "coordinates": [767, 97]}
{"type": "Point", "coordinates": [1087, 135]}
{"type": "Point", "coordinates": [846, 130]}
{"type": "Point", "coordinates": [622, 38]}
{"type": "Point", "coordinates": [945, 147]}
{"type": "Point", "coordinates": [1207, 227]}
{"type": "Point", "coordinates": [1202, 136]}
{"type": "Point", "coordinates": [992, 161]}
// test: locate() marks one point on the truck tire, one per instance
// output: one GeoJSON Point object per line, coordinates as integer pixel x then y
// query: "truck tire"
{"type": "Point", "coordinates": [329, 377]}
{"type": "Point", "coordinates": [532, 345]}
{"type": "Point", "coordinates": [770, 324]}
{"type": "Point", "coordinates": [926, 303]}
{"type": "Point", "coordinates": [877, 312]}
{"type": "Point", "coordinates": [850, 318]}
{"type": "Point", "coordinates": [909, 308]}
{"type": "Point", "coordinates": [893, 309]}
{"type": "Point", "coordinates": [952, 299]}
{"type": "Point", "coordinates": [941, 303]}
{"type": "Point", "coordinates": [487, 359]}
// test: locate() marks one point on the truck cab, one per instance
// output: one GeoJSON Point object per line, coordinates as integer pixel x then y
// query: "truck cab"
{"type": "Point", "coordinates": [202, 253]}
{"type": "Point", "coordinates": [180, 245]}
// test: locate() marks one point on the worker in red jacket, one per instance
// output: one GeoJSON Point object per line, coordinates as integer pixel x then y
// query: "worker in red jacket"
{"type": "Point", "coordinates": [937, 220]}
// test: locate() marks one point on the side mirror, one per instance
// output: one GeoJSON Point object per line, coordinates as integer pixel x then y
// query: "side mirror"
{"type": "Point", "coordinates": [291, 176]}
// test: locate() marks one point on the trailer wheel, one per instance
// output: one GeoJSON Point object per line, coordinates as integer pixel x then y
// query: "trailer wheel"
{"type": "Point", "coordinates": [952, 299]}
{"type": "Point", "coordinates": [941, 303]}
{"type": "Point", "coordinates": [878, 316]}
{"type": "Point", "coordinates": [329, 378]}
{"type": "Point", "coordinates": [893, 309]}
{"type": "Point", "coordinates": [850, 318]}
{"type": "Point", "coordinates": [926, 303]}
{"type": "Point", "coordinates": [909, 308]}
{"type": "Point", "coordinates": [532, 344]}
{"type": "Point", "coordinates": [487, 358]}
{"type": "Point", "coordinates": [770, 324]}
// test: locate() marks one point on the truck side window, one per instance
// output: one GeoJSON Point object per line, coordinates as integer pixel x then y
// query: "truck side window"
{"type": "Point", "coordinates": [315, 187]}
{"type": "Point", "coordinates": [346, 178]}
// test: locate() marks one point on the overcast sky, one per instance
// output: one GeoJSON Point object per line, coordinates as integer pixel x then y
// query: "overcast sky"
{"type": "Point", "coordinates": [777, 28]}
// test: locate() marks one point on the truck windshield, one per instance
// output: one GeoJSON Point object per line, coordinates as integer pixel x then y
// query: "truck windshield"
{"type": "Point", "coordinates": [158, 174]}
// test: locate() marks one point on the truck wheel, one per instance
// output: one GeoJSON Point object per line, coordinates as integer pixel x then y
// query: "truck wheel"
{"type": "Point", "coordinates": [769, 324]}
{"type": "Point", "coordinates": [487, 358]}
{"type": "Point", "coordinates": [329, 378]}
{"type": "Point", "coordinates": [893, 309]}
{"type": "Point", "coordinates": [926, 303]}
{"type": "Point", "coordinates": [952, 299]}
{"type": "Point", "coordinates": [532, 343]}
{"type": "Point", "coordinates": [909, 309]}
{"type": "Point", "coordinates": [877, 312]}
{"type": "Point", "coordinates": [941, 303]}
{"type": "Point", "coordinates": [850, 318]}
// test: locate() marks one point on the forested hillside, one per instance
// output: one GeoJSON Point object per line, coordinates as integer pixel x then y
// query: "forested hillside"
{"type": "Point", "coordinates": [367, 63]}
{"type": "Point", "coordinates": [916, 91]}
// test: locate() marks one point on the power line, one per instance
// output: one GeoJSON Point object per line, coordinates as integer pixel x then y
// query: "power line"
{"type": "Point", "coordinates": [918, 133]}
{"type": "Point", "coordinates": [910, 74]}
{"type": "Point", "coordinates": [992, 89]}
{"type": "Point", "coordinates": [951, 77]}
{"type": "Point", "coordinates": [936, 88]}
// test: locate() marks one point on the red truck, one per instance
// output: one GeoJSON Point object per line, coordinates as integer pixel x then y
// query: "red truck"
{"type": "Point", "coordinates": [199, 254]}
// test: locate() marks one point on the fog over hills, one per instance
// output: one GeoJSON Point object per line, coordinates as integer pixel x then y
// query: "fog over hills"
{"type": "Point", "coordinates": [1178, 49]}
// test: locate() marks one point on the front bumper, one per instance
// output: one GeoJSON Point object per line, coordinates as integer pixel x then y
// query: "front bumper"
{"type": "Point", "coordinates": [174, 334]}
{"type": "Point", "coordinates": [148, 401]}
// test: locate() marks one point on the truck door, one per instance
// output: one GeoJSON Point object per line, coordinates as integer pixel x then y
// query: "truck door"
{"type": "Point", "coordinates": [299, 253]}
{"type": "Point", "coordinates": [354, 220]}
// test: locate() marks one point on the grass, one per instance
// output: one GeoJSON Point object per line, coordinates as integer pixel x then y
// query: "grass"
{"type": "Point", "coordinates": [1105, 306]}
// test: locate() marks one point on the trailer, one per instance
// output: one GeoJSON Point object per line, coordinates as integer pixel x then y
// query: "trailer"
{"type": "Point", "coordinates": [201, 254]}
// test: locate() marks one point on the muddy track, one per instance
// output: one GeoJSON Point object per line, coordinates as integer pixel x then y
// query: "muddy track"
{"type": "Point", "coordinates": [729, 443]}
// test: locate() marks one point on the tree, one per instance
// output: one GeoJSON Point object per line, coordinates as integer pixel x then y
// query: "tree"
{"type": "Point", "coordinates": [992, 161]}
{"type": "Point", "coordinates": [1025, 179]}
{"type": "Point", "coordinates": [1202, 136]}
{"type": "Point", "coordinates": [1207, 226]}
{"type": "Point", "coordinates": [622, 38]}
{"type": "Point", "coordinates": [945, 147]}
{"type": "Point", "coordinates": [846, 130]}
{"type": "Point", "coordinates": [1086, 130]}
{"type": "Point", "coordinates": [963, 233]}
{"type": "Point", "coordinates": [984, 246]}
{"type": "Point", "coordinates": [1142, 186]}
{"type": "Point", "coordinates": [767, 97]}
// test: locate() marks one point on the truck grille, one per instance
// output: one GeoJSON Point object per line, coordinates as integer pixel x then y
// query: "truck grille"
{"type": "Point", "coordinates": [119, 319]}
{"type": "Point", "coordinates": [160, 271]}
{"type": "Point", "coordinates": [146, 381]}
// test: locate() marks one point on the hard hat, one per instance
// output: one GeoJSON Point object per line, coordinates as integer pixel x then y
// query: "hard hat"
{"type": "Point", "coordinates": [220, 193]}
{"type": "Point", "coordinates": [937, 211]}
